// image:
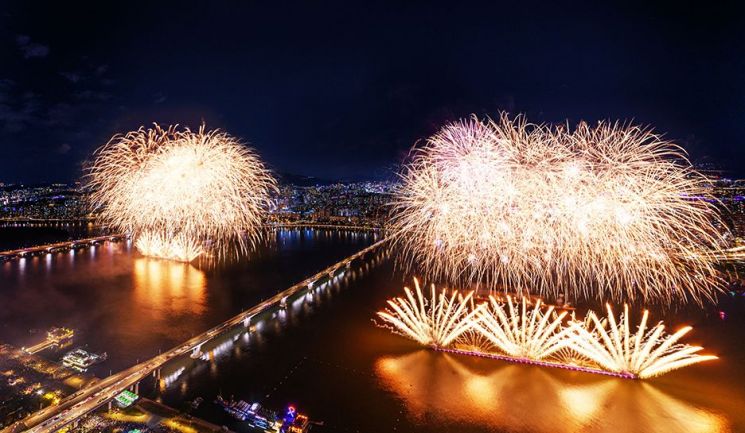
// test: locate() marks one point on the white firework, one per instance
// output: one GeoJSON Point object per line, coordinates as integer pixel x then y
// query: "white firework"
{"type": "Point", "coordinates": [611, 212]}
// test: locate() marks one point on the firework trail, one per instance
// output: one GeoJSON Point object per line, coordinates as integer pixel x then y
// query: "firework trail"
{"type": "Point", "coordinates": [437, 320]}
{"type": "Point", "coordinates": [521, 331]}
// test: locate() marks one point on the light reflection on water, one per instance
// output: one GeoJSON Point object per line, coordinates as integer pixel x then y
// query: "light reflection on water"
{"type": "Point", "coordinates": [356, 377]}
{"type": "Point", "coordinates": [132, 307]}
{"type": "Point", "coordinates": [163, 287]}
{"type": "Point", "coordinates": [509, 397]}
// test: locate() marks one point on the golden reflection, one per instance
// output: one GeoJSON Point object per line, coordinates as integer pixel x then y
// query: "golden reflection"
{"type": "Point", "coordinates": [508, 397]}
{"type": "Point", "coordinates": [168, 288]}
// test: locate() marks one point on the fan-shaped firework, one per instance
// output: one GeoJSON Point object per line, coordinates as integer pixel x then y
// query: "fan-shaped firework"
{"type": "Point", "coordinates": [648, 352]}
{"type": "Point", "coordinates": [611, 211]}
{"type": "Point", "coordinates": [181, 193]}
{"type": "Point", "coordinates": [521, 331]}
{"type": "Point", "coordinates": [436, 321]}
{"type": "Point", "coordinates": [514, 330]}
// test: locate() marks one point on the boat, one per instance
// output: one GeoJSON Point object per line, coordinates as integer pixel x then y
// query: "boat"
{"type": "Point", "coordinates": [253, 414]}
{"type": "Point", "coordinates": [81, 360]}
{"type": "Point", "coordinates": [294, 422]}
{"type": "Point", "coordinates": [265, 419]}
{"type": "Point", "coordinates": [59, 334]}
{"type": "Point", "coordinates": [197, 401]}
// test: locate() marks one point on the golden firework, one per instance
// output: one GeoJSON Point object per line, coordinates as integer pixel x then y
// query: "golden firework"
{"type": "Point", "coordinates": [435, 321]}
{"type": "Point", "coordinates": [611, 211]}
{"type": "Point", "coordinates": [513, 330]}
{"type": "Point", "coordinates": [520, 330]}
{"type": "Point", "coordinates": [181, 193]}
{"type": "Point", "coordinates": [646, 352]}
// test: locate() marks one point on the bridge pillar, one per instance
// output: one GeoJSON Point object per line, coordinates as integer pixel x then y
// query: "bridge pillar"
{"type": "Point", "coordinates": [197, 352]}
{"type": "Point", "coordinates": [137, 388]}
{"type": "Point", "coordinates": [109, 406]}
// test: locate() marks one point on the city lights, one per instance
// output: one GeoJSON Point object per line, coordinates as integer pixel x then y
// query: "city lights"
{"type": "Point", "coordinates": [203, 207]}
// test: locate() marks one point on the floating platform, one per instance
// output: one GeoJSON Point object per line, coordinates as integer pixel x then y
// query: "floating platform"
{"type": "Point", "coordinates": [506, 358]}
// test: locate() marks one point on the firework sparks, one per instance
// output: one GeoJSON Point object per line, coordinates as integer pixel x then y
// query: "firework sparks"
{"type": "Point", "coordinates": [521, 331]}
{"type": "Point", "coordinates": [538, 334]}
{"type": "Point", "coordinates": [178, 247]}
{"type": "Point", "coordinates": [648, 352]}
{"type": "Point", "coordinates": [181, 193]}
{"type": "Point", "coordinates": [436, 321]}
{"type": "Point", "coordinates": [611, 211]}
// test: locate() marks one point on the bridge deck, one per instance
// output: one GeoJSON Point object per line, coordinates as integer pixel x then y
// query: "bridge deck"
{"type": "Point", "coordinates": [20, 252]}
{"type": "Point", "coordinates": [36, 348]}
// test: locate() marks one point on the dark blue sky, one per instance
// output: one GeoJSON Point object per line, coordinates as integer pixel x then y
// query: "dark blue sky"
{"type": "Point", "coordinates": [338, 90]}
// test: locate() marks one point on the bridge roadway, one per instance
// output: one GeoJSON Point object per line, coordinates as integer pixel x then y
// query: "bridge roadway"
{"type": "Point", "coordinates": [312, 225]}
{"type": "Point", "coordinates": [84, 401]}
{"type": "Point", "coordinates": [41, 249]}
{"type": "Point", "coordinates": [46, 220]}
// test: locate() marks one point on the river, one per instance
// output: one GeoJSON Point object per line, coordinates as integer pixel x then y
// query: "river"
{"type": "Point", "coordinates": [326, 356]}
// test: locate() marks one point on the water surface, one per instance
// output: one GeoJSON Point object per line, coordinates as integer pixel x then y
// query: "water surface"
{"type": "Point", "coordinates": [326, 355]}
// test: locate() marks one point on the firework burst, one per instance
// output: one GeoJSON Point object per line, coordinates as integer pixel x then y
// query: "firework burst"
{"type": "Point", "coordinates": [611, 211]}
{"type": "Point", "coordinates": [648, 352]}
{"type": "Point", "coordinates": [518, 330]}
{"type": "Point", "coordinates": [435, 321]}
{"type": "Point", "coordinates": [181, 193]}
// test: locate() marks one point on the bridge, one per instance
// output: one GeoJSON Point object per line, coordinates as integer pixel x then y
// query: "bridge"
{"type": "Point", "coordinates": [39, 250]}
{"type": "Point", "coordinates": [45, 221]}
{"type": "Point", "coordinates": [86, 400]}
{"type": "Point", "coordinates": [295, 224]}
{"type": "Point", "coordinates": [58, 246]}
{"type": "Point", "coordinates": [313, 225]}
{"type": "Point", "coordinates": [55, 337]}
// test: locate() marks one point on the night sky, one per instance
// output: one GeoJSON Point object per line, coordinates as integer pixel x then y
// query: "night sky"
{"type": "Point", "coordinates": [342, 91]}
